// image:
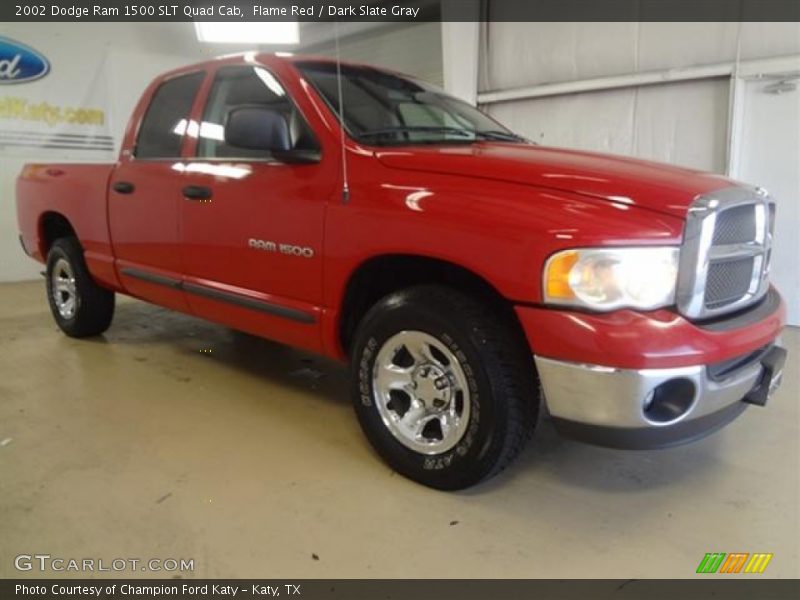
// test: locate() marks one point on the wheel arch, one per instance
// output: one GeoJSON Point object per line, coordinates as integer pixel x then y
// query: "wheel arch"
{"type": "Point", "coordinates": [52, 226]}
{"type": "Point", "coordinates": [381, 275]}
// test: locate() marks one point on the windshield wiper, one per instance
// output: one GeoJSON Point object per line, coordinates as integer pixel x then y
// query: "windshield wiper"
{"type": "Point", "coordinates": [505, 136]}
{"type": "Point", "coordinates": [417, 129]}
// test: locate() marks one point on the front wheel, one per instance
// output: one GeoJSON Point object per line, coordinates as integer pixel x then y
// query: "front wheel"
{"type": "Point", "coordinates": [444, 388]}
{"type": "Point", "coordinates": [80, 307]}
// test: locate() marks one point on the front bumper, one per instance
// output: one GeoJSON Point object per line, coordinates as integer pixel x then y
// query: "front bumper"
{"type": "Point", "coordinates": [650, 408]}
{"type": "Point", "coordinates": [646, 380]}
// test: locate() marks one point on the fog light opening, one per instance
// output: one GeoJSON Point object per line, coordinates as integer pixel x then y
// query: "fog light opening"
{"type": "Point", "coordinates": [669, 401]}
{"type": "Point", "coordinates": [648, 400]}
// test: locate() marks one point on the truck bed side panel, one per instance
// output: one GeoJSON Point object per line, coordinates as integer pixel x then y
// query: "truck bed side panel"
{"type": "Point", "coordinates": [78, 192]}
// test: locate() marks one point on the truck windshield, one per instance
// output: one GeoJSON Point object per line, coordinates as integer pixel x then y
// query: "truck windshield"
{"type": "Point", "coordinates": [382, 108]}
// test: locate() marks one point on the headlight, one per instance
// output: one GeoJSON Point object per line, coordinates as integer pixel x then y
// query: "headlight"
{"type": "Point", "coordinates": [611, 278]}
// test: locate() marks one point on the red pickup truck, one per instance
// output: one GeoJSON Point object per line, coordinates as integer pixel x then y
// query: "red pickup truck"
{"type": "Point", "coordinates": [469, 276]}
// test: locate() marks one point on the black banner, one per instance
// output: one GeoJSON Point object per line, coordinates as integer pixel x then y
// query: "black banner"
{"type": "Point", "coordinates": [400, 10]}
{"type": "Point", "coordinates": [348, 589]}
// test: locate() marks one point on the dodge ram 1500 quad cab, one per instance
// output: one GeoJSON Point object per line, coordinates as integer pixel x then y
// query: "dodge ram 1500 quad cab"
{"type": "Point", "coordinates": [467, 275]}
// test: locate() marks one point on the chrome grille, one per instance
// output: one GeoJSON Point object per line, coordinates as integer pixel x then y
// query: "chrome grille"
{"type": "Point", "coordinates": [727, 282]}
{"type": "Point", "coordinates": [736, 225]}
{"type": "Point", "coordinates": [725, 254]}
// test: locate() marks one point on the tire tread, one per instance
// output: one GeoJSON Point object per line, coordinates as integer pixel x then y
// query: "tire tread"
{"type": "Point", "coordinates": [505, 358]}
{"type": "Point", "coordinates": [511, 372]}
{"type": "Point", "coordinates": [96, 309]}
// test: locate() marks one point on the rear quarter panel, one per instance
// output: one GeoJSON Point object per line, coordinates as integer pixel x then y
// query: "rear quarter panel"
{"type": "Point", "coordinates": [78, 192]}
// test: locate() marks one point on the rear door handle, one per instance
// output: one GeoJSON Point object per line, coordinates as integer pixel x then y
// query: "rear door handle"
{"type": "Point", "coordinates": [197, 192]}
{"type": "Point", "coordinates": [123, 187]}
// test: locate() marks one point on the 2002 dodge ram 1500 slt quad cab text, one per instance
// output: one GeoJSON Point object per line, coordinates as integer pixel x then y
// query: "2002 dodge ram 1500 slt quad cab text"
{"type": "Point", "coordinates": [467, 274]}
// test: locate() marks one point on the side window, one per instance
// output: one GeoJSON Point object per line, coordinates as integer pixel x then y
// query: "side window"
{"type": "Point", "coordinates": [164, 123]}
{"type": "Point", "coordinates": [243, 86]}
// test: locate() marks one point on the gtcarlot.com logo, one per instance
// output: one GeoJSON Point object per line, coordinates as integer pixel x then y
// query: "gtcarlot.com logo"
{"type": "Point", "coordinates": [45, 563]}
{"type": "Point", "coordinates": [735, 562]}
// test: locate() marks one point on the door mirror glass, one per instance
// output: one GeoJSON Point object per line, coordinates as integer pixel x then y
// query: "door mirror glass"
{"type": "Point", "coordinates": [258, 128]}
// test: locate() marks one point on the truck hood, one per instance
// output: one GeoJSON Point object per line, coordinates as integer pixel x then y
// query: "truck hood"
{"type": "Point", "coordinates": [655, 186]}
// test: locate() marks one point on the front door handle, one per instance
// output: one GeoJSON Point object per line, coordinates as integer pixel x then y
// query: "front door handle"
{"type": "Point", "coordinates": [123, 187]}
{"type": "Point", "coordinates": [197, 192]}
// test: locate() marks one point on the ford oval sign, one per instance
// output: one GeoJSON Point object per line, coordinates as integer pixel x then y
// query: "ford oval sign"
{"type": "Point", "coordinates": [20, 63]}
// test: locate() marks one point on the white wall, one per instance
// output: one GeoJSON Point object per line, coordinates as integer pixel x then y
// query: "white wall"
{"type": "Point", "coordinates": [681, 123]}
{"type": "Point", "coordinates": [684, 123]}
{"type": "Point", "coordinates": [520, 54]}
{"type": "Point", "coordinates": [411, 48]}
{"type": "Point", "coordinates": [461, 58]}
{"type": "Point", "coordinates": [770, 155]}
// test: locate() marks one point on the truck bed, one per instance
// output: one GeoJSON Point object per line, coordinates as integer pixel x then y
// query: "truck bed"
{"type": "Point", "coordinates": [76, 191]}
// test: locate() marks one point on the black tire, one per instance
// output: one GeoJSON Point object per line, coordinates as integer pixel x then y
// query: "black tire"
{"type": "Point", "coordinates": [93, 306]}
{"type": "Point", "coordinates": [491, 352]}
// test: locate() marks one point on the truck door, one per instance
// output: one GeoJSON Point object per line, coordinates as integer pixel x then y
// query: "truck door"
{"type": "Point", "coordinates": [145, 195]}
{"type": "Point", "coordinates": [251, 223]}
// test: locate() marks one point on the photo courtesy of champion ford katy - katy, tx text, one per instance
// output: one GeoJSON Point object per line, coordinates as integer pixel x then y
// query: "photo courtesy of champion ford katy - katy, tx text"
{"type": "Point", "coordinates": [408, 299]}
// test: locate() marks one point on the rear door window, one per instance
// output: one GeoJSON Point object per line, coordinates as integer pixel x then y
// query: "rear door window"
{"type": "Point", "coordinates": [164, 124]}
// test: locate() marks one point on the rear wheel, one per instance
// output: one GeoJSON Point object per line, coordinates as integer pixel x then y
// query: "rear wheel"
{"type": "Point", "coordinates": [80, 307]}
{"type": "Point", "coordinates": [444, 388]}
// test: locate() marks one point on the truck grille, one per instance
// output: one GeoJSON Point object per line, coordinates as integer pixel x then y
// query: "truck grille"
{"type": "Point", "coordinates": [727, 282]}
{"type": "Point", "coordinates": [735, 225]}
{"type": "Point", "coordinates": [726, 252]}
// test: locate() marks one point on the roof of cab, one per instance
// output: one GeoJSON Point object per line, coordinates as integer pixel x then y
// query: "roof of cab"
{"type": "Point", "coordinates": [262, 58]}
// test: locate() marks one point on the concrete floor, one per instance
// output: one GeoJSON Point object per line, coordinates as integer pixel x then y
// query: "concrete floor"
{"type": "Point", "coordinates": [249, 460]}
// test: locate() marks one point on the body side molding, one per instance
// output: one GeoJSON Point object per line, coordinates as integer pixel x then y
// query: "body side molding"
{"type": "Point", "coordinates": [229, 297]}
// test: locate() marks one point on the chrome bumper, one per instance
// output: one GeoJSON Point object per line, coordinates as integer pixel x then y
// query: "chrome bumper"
{"type": "Point", "coordinates": [644, 408]}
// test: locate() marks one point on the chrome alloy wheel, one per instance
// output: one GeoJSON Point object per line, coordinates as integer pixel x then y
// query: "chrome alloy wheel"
{"type": "Point", "coordinates": [63, 289]}
{"type": "Point", "coordinates": [421, 392]}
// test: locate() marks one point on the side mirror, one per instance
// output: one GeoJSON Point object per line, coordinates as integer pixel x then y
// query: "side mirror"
{"type": "Point", "coordinates": [258, 128]}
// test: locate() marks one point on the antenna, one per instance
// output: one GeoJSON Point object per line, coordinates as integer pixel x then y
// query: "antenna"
{"type": "Point", "coordinates": [345, 181]}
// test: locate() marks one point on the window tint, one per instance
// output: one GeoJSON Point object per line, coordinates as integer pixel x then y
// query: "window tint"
{"type": "Point", "coordinates": [247, 86]}
{"type": "Point", "coordinates": [165, 121]}
{"type": "Point", "coordinates": [385, 108]}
